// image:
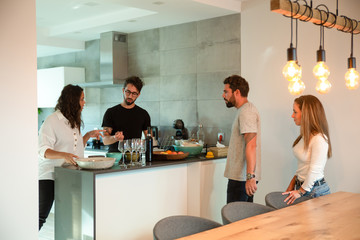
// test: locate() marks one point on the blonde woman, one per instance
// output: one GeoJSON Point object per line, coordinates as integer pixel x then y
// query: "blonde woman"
{"type": "Point", "coordinates": [312, 148]}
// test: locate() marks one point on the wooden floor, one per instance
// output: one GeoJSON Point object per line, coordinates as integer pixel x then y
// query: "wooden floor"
{"type": "Point", "coordinates": [47, 231]}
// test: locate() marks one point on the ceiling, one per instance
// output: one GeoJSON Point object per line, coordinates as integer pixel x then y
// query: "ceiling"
{"type": "Point", "coordinates": [64, 25]}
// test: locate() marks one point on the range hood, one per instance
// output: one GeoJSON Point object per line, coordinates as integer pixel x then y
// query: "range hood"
{"type": "Point", "coordinates": [113, 60]}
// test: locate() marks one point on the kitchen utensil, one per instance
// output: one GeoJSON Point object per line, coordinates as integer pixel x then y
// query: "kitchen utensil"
{"type": "Point", "coordinates": [95, 163]}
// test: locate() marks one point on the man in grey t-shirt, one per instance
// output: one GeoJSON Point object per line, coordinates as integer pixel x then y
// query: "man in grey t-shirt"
{"type": "Point", "coordinates": [243, 164]}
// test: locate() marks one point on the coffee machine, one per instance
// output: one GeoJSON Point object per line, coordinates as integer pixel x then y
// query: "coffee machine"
{"type": "Point", "coordinates": [181, 131]}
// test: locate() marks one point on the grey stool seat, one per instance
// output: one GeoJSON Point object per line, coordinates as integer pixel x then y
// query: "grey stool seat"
{"type": "Point", "coordinates": [276, 200]}
{"type": "Point", "coordinates": [236, 211]}
{"type": "Point", "coordinates": [181, 226]}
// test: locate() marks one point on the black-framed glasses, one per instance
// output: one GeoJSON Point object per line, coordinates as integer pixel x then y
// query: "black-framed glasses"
{"type": "Point", "coordinates": [128, 93]}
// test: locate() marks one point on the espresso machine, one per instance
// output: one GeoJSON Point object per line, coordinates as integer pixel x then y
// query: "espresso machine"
{"type": "Point", "coordinates": [181, 131]}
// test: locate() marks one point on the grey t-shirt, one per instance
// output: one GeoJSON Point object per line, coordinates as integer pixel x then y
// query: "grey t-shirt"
{"type": "Point", "coordinates": [247, 121]}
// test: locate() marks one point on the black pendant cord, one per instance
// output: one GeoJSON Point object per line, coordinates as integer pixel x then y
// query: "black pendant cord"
{"type": "Point", "coordinates": [296, 36]}
{"type": "Point", "coordinates": [352, 43]}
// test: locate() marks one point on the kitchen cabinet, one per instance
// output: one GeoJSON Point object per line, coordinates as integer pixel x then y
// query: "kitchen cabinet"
{"type": "Point", "coordinates": [52, 80]}
{"type": "Point", "coordinates": [126, 204]}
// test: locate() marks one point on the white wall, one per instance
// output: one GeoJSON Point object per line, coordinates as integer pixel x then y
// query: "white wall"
{"type": "Point", "coordinates": [265, 38]}
{"type": "Point", "coordinates": [18, 168]}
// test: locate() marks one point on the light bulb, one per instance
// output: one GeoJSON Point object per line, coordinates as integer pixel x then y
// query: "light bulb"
{"type": "Point", "coordinates": [323, 86]}
{"type": "Point", "coordinates": [321, 71]}
{"type": "Point", "coordinates": [296, 87]}
{"type": "Point", "coordinates": [352, 79]}
{"type": "Point", "coordinates": [291, 70]}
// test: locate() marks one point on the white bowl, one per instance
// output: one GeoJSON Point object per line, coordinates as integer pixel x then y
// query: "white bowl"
{"type": "Point", "coordinates": [95, 163]}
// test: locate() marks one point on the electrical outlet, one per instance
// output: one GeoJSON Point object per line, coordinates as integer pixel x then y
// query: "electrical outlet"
{"type": "Point", "coordinates": [221, 137]}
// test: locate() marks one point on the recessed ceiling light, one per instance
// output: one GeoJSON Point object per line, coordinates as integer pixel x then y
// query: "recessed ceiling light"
{"type": "Point", "coordinates": [77, 6]}
{"type": "Point", "coordinates": [158, 3]}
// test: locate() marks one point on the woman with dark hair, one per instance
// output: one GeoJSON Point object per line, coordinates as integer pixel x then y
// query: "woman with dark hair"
{"type": "Point", "coordinates": [312, 148]}
{"type": "Point", "coordinates": [60, 141]}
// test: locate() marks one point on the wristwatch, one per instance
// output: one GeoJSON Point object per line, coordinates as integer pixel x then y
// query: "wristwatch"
{"type": "Point", "coordinates": [250, 176]}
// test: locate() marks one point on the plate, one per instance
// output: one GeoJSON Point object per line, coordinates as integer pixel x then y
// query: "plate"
{"type": "Point", "coordinates": [95, 163]}
{"type": "Point", "coordinates": [159, 156]}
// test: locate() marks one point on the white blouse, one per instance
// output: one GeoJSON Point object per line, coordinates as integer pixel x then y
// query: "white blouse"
{"type": "Point", "coordinates": [311, 162]}
{"type": "Point", "coordinates": [57, 134]}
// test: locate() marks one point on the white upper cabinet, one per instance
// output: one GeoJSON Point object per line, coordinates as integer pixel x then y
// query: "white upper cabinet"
{"type": "Point", "coordinates": [51, 81]}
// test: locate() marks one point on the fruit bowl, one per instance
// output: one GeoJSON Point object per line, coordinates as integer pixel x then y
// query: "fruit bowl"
{"type": "Point", "coordinates": [95, 163]}
{"type": "Point", "coordinates": [192, 150]}
{"type": "Point", "coordinates": [158, 155]}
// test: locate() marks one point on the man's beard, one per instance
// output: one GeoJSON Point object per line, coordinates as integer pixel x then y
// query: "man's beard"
{"type": "Point", "coordinates": [231, 102]}
{"type": "Point", "coordinates": [127, 102]}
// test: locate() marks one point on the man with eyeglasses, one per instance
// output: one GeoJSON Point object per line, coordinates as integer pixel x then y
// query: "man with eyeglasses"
{"type": "Point", "coordinates": [126, 120]}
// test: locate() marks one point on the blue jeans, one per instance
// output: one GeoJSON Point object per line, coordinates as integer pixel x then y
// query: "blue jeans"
{"type": "Point", "coordinates": [316, 190]}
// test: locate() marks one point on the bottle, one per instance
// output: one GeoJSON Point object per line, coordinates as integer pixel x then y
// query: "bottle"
{"type": "Point", "coordinates": [201, 134]}
{"type": "Point", "coordinates": [149, 146]}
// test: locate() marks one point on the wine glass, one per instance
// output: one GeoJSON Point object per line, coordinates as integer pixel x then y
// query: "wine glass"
{"type": "Point", "coordinates": [127, 147]}
{"type": "Point", "coordinates": [135, 144]}
{"type": "Point", "coordinates": [121, 148]}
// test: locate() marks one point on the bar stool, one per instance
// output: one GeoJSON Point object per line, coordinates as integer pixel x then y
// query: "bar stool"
{"type": "Point", "coordinates": [276, 200]}
{"type": "Point", "coordinates": [236, 211]}
{"type": "Point", "coordinates": [174, 227]}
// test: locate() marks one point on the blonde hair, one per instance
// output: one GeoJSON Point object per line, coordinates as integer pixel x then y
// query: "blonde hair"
{"type": "Point", "coordinates": [313, 120]}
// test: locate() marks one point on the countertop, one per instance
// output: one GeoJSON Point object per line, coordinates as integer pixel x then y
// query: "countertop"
{"type": "Point", "coordinates": [153, 164]}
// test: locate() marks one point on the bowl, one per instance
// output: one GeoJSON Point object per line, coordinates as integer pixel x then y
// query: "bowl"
{"type": "Point", "coordinates": [135, 157]}
{"type": "Point", "coordinates": [116, 155]}
{"type": "Point", "coordinates": [95, 163]}
{"type": "Point", "coordinates": [192, 150]}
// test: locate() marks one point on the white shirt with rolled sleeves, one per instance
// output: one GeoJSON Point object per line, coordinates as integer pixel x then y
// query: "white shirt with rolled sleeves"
{"type": "Point", "coordinates": [311, 162]}
{"type": "Point", "coordinates": [57, 134]}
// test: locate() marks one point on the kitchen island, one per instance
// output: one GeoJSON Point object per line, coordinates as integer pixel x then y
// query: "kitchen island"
{"type": "Point", "coordinates": [126, 204]}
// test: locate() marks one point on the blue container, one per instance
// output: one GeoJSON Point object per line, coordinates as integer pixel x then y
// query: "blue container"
{"type": "Point", "coordinates": [195, 150]}
{"type": "Point", "coordinates": [116, 155]}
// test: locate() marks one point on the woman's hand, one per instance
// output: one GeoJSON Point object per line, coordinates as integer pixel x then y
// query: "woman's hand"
{"type": "Point", "coordinates": [96, 134]}
{"type": "Point", "coordinates": [70, 158]}
{"type": "Point", "coordinates": [293, 195]}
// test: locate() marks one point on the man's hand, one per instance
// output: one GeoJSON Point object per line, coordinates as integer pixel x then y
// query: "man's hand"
{"type": "Point", "coordinates": [119, 136]}
{"type": "Point", "coordinates": [251, 187]}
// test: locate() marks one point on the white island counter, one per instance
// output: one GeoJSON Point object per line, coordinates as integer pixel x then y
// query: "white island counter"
{"type": "Point", "coordinates": [126, 204]}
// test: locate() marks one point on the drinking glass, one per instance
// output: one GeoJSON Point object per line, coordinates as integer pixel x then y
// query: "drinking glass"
{"type": "Point", "coordinates": [142, 151]}
{"type": "Point", "coordinates": [121, 148]}
{"type": "Point", "coordinates": [135, 146]}
{"type": "Point", "coordinates": [127, 147]}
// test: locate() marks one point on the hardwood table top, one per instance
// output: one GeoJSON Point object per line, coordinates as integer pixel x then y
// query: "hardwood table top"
{"type": "Point", "coordinates": [334, 216]}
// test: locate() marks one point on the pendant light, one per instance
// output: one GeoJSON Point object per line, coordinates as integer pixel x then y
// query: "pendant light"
{"type": "Point", "coordinates": [352, 76]}
{"type": "Point", "coordinates": [321, 70]}
{"type": "Point", "coordinates": [296, 87]}
{"type": "Point", "coordinates": [291, 70]}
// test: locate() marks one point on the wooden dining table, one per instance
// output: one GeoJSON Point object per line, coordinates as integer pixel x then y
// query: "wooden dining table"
{"type": "Point", "coordinates": [334, 216]}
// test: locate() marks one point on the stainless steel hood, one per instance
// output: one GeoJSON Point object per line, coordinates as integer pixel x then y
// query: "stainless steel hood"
{"type": "Point", "coordinates": [113, 60]}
